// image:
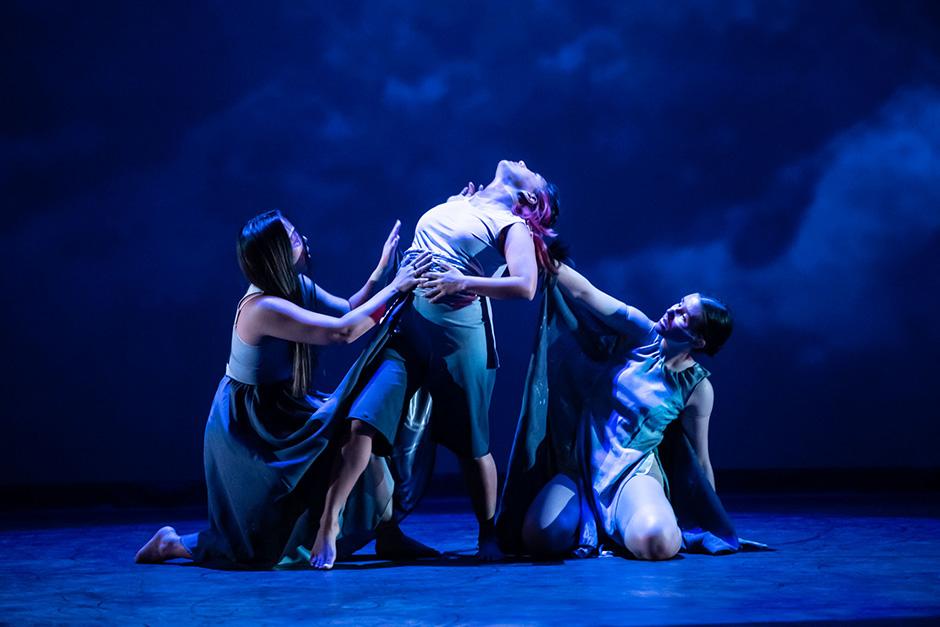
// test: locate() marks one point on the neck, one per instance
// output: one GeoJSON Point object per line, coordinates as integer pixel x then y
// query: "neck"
{"type": "Point", "coordinates": [675, 356]}
{"type": "Point", "coordinates": [499, 192]}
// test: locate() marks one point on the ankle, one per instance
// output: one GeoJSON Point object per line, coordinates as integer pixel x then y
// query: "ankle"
{"type": "Point", "coordinates": [388, 529]}
{"type": "Point", "coordinates": [329, 524]}
{"type": "Point", "coordinates": [487, 530]}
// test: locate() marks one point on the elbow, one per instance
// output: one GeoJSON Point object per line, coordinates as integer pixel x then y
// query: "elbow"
{"type": "Point", "coordinates": [521, 291]}
{"type": "Point", "coordinates": [528, 289]}
{"type": "Point", "coordinates": [349, 337]}
{"type": "Point", "coordinates": [343, 334]}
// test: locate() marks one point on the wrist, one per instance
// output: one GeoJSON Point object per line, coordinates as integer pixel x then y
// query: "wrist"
{"type": "Point", "coordinates": [378, 313]}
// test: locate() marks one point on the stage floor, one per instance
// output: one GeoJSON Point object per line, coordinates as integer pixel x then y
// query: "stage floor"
{"type": "Point", "coordinates": [838, 558]}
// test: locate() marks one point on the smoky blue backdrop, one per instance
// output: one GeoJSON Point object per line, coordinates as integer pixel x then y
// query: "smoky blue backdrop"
{"type": "Point", "coordinates": [782, 155]}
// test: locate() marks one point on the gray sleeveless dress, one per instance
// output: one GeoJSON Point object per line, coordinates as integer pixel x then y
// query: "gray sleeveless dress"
{"type": "Point", "coordinates": [268, 457]}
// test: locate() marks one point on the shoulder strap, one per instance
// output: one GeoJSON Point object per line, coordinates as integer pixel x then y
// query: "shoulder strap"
{"type": "Point", "coordinates": [244, 300]}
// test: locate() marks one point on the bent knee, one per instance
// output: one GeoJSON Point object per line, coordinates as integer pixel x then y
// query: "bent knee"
{"type": "Point", "coordinates": [551, 540]}
{"type": "Point", "coordinates": [650, 536]}
{"type": "Point", "coordinates": [359, 428]}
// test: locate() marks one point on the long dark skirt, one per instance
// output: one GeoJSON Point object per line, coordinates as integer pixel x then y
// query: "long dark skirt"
{"type": "Point", "coordinates": [268, 460]}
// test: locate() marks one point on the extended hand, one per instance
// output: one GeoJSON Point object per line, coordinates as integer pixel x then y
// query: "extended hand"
{"type": "Point", "coordinates": [469, 190]}
{"type": "Point", "coordinates": [390, 246]}
{"type": "Point", "coordinates": [411, 275]}
{"type": "Point", "coordinates": [441, 284]}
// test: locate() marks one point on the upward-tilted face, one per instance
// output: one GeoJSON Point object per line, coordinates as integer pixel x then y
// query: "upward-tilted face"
{"type": "Point", "coordinates": [297, 241]}
{"type": "Point", "coordinates": [517, 174]}
{"type": "Point", "coordinates": [682, 322]}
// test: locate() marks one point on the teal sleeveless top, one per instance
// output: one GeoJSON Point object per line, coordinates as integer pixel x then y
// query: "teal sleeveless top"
{"type": "Point", "coordinates": [632, 407]}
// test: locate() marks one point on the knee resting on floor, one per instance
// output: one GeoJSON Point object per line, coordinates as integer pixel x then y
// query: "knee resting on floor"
{"type": "Point", "coordinates": [651, 537]}
{"type": "Point", "coordinates": [555, 537]}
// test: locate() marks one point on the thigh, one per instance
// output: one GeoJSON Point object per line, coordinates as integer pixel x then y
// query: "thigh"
{"type": "Point", "coordinates": [551, 522]}
{"type": "Point", "coordinates": [461, 387]}
{"type": "Point", "coordinates": [382, 397]}
{"type": "Point", "coordinates": [642, 496]}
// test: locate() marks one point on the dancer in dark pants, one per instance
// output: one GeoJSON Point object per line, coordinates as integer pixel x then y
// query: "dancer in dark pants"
{"type": "Point", "coordinates": [268, 443]}
{"type": "Point", "coordinates": [443, 344]}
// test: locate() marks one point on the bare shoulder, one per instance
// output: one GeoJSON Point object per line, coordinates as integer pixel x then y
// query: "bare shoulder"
{"type": "Point", "coordinates": [259, 312]}
{"type": "Point", "coordinates": [516, 241]}
{"type": "Point", "coordinates": [262, 303]}
{"type": "Point", "coordinates": [517, 231]}
{"type": "Point", "coordinates": [249, 322]}
{"type": "Point", "coordinates": [702, 398]}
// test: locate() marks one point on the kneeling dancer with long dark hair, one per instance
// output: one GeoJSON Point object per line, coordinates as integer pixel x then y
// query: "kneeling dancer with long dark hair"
{"type": "Point", "coordinates": [269, 443]}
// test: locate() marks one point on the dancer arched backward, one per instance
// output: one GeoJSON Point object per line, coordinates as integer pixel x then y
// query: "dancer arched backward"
{"type": "Point", "coordinates": [443, 349]}
{"type": "Point", "coordinates": [612, 399]}
{"type": "Point", "coordinates": [267, 453]}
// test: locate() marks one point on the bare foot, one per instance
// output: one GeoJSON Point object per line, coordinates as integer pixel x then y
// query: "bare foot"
{"type": "Point", "coordinates": [392, 544]}
{"type": "Point", "coordinates": [164, 545]}
{"type": "Point", "coordinates": [488, 550]}
{"type": "Point", "coordinates": [323, 553]}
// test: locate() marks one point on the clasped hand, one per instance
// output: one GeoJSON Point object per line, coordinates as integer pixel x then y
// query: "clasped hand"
{"type": "Point", "coordinates": [446, 283]}
{"type": "Point", "coordinates": [418, 273]}
{"type": "Point", "coordinates": [413, 274]}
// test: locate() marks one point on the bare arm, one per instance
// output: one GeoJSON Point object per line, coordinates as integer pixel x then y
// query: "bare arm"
{"type": "Point", "coordinates": [695, 418]}
{"type": "Point", "coordinates": [617, 314]}
{"type": "Point", "coordinates": [280, 318]}
{"type": "Point", "coordinates": [331, 304]}
{"type": "Point", "coordinates": [521, 281]}
{"type": "Point", "coordinates": [388, 253]}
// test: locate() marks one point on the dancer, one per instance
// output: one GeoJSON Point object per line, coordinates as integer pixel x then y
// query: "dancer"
{"type": "Point", "coordinates": [605, 384]}
{"type": "Point", "coordinates": [444, 347]}
{"type": "Point", "coordinates": [267, 442]}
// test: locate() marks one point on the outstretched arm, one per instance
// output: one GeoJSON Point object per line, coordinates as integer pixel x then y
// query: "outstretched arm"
{"type": "Point", "coordinates": [695, 418]}
{"type": "Point", "coordinates": [283, 319]}
{"type": "Point", "coordinates": [617, 314]}
{"type": "Point", "coordinates": [521, 281]}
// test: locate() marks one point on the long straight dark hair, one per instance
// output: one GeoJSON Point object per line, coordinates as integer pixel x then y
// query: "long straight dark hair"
{"type": "Point", "coordinates": [266, 260]}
